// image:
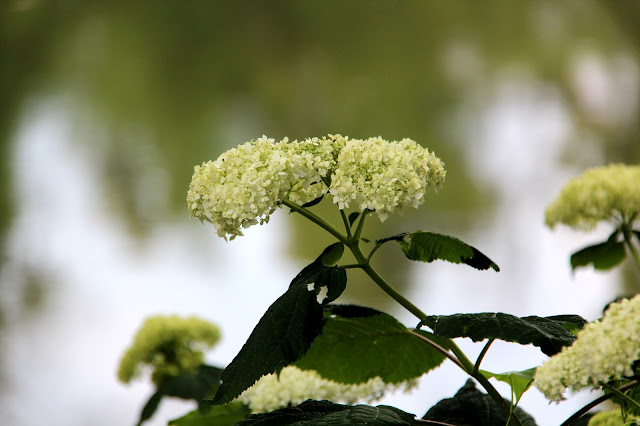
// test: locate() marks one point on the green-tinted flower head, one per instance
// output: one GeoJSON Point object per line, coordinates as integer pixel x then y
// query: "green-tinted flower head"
{"type": "Point", "coordinates": [241, 188]}
{"type": "Point", "coordinates": [610, 193]}
{"type": "Point", "coordinates": [170, 345]}
{"type": "Point", "coordinates": [245, 185]}
{"type": "Point", "coordinates": [385, 177]}
{"type": "Point", "coordinates": [607, 418]}
{"type": "Point", "coordinates": [604, 350]}
{"type": "Point", "coordinates": [294, 386]}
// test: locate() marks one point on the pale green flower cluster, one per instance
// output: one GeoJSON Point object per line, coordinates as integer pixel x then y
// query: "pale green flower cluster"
{"type": "Point", "coordinates": [294, 386]}
{"type": "Point", "coordinates": [385, 177]}
{"type": "Point", "coordinates": [245, 185]}
{"type": "Point", "coordinates": [604, 350]}
{"type": "Point", "coordinates": [170, 345]}
{"type": "Point", "coordinates": [610, 193]}
{"type": "Point", "coordinates": [609, 418]}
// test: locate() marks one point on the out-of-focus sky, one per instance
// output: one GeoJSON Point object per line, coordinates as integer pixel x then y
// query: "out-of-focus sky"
{"type": "Point", "coordinates": [105, 108]}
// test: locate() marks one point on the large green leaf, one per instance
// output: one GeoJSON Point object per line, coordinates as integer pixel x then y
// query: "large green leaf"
{"type": "Point", "coordinates": [428, 246]}
{"type": "Point", "coordinates": [603, 256]}
{"type": "Point", "coordinates": [220, 415]}
{"type": "Point", "coordinates": [325, 413]}
{"type": "Point", "coordinates": [520, 381]}
{"type": "Point", "coordinates": [358, 344]}
{"type": "Point", "coordinates": [549, 334]}
{"type": "Point", "coordinates": [281, 337]}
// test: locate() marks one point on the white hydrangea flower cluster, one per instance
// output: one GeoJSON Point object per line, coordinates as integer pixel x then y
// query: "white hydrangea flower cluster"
{"type": "Point", "coordinates": [311, 161]}
{"type": "Point", "coordinates": [610, 193]}
{"type": "Point", "coordinates": [294, 386]}
{"type": "Point", "coordinates": [246, 184]}
{"type": "Point", "coordinates": [604, 350]}
{"type": "Point", "coordinates": [385, 177]}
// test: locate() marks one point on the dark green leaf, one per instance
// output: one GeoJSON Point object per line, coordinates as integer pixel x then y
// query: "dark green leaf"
{"type": "Point", "coordinates": [192, 385]}
{"type": "Point", "coordinates": [520, 381]}
{"type": "Point", "coordinates": [326, 413]}
{"type": "Point", "coordinates": [603, 256]}
{"type": "Point", "coordinates": [150, 407]}
{"type": "Point", "coordinates": [572, 323]}
{"type": "Point", "coordinates": [219, 415]}
{"type": "Point", "coordinates": [352, 217]}
{"type": "Point", "coordinates": [351, 311]}
{"type": "Point", "coordinates": [282, 336]}
{"type": "Point", "coordinates": [313, 202]}
{"type": "Point", "coordinates": [546, 333]}
{"type": "Point", "coordinates": [355, 349]}
{"type": "Point", "coordinates": [471, 407]}
{"type": "Point", "coordinates": [637, 234]}
{"type": "Point", "coordinates": [428, 246]}
{"type": "Point", "coordinates": [397, 237]}
{"type": "Point", "coordinates": [331, 255]}
{"type": "Point", "coordinates": [335, 279]}
{"type": "Point", "coordinates": [309, 274]}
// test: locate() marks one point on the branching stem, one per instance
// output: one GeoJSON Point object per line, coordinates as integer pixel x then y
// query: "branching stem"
{"type": "Point", "coordinates": [456, 355]}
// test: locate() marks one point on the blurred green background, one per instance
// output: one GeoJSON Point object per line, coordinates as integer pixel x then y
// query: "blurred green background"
{"type": "Point", "coordinates": [155, 87]}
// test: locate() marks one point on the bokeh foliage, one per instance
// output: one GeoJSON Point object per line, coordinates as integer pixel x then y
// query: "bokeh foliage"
{"type": "Point", "coordinates": [169, 85]}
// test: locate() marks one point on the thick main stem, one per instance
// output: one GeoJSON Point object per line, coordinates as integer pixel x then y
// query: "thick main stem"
{"type": "Point", "coordinates": [317, 220]}
{"type": "Point", "coordinates": [354, 245]}
{"type": "Point", "coordinates": [464, 361]}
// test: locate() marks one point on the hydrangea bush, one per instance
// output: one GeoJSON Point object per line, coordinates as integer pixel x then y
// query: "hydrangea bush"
{"type": "Point", "coordinates": [310, 359]}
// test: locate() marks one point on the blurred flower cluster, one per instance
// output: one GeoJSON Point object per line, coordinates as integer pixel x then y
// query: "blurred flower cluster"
{"type": "Point", "coordinates": [169, 345]}
{"type": "Point", "coordinates": [610, 193]}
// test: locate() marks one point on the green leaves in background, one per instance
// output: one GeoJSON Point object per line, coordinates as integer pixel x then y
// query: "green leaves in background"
{"type": "Point", "coordinates": [428, 246]}
{"type": "Point", "coordinates": [286, 330]}
{"type": "Point", "coordinates": [327, 413]}
{"type": "Point", "coordinates": [520, 381]}
{"type": "Point", "coordinates": [358, 344]}
{"type": "Point", "coordinates": [196, 386]}
{"type": "Point", "coordinates": [219, 415]}
{"type": "Point", "coordinates": [549, 334]}
{"type": "Point", "coordinates": [603, 256]}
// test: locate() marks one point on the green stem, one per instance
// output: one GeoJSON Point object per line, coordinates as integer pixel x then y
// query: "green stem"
{"type": "Point", "coordinates": [622, 395]}
{"type": "Point", "coordinates": [373, 250]}
{"type": "Point", "coordinates": [363, 216]}
{"type": "Point", "coordinates": [576, 416]}
{"type": "Point", "coordinates": [476, 367]}
{"type": "Point", "coordinates": [347, 225]}
{"type": "Point", "coordinates": [353, 244]}
{"type": "Point", "coordinates": [626, 232]}
{"type": "Point", "coordinates": [317, 220]}
{"type": "Point", "coordinates": [464, 361]}
{"type": "Point", "coordinates": [440, 349]}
